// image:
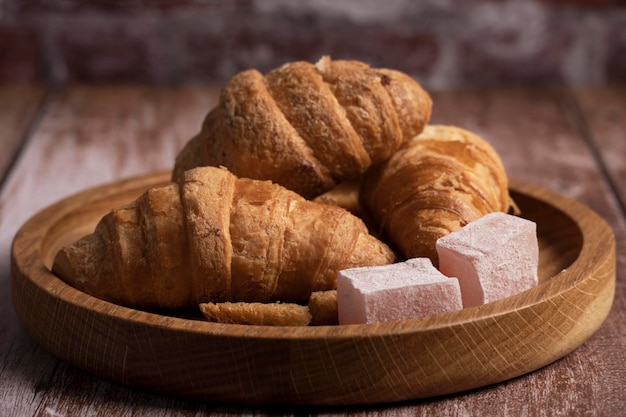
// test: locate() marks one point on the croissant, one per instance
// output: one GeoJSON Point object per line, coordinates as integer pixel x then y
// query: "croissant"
{"type": "Point", "coordinates": [215, 238]}
{"type": "Point", "coordinates": [436, 183]}
{"type": "Point", "coordinates": [308, 126]}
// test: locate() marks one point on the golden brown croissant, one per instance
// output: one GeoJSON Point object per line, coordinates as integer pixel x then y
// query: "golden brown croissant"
{"type": "Point", "coordinates": [213, 238]}
{"type": "Point", "coordinates": [308, 126]}
{"type": "Point", "coordinates": [436, 183]}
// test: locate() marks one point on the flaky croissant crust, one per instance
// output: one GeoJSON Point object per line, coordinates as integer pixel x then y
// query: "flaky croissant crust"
{"type": "Point", "coordinates": [214, 238]}
{"type": "Point", "coordinates": [308, 126]}
{"type": "Point", "coordinates": [436, 183]}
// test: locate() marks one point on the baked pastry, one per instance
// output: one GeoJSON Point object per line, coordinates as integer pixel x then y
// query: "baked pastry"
{"type": "Point", "coordinates": [323, 308]}
{"type": "Point", "coordinates": [260, 314]}
{"type": "Point", "coordinates": [436, 183]}
{"type": "Point", "coordinates": [308, 126]}
{"type": "Point", "coordinates": [215, 238]}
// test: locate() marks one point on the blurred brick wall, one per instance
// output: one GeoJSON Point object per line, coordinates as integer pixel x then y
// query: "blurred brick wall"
{"type": "Point", "coordinates": [443, 43]}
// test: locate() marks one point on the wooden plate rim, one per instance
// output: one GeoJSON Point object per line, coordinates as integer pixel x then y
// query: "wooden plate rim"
{"type": "Point", "coordinates": [28, 240]}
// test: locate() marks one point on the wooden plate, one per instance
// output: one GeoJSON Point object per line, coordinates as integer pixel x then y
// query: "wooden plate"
{"type": "Point", "coordinates": [358, 364]}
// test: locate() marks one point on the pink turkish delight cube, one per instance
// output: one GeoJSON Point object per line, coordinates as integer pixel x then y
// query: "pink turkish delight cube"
{"type": "Point", "coordinates": [493, 257]}
{"type": "Point", "coordinates": [395, 292]}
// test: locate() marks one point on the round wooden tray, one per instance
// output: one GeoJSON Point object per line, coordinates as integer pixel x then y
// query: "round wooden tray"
{"type": "Point", "coordinates": [357, 364]}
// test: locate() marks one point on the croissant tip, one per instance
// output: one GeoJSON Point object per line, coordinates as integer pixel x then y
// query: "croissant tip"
{"type": "Point", "coordinates": [323, 63]}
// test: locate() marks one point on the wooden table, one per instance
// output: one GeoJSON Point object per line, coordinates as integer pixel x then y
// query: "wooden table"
{"type": "Point", "coordinates": [58, 142]}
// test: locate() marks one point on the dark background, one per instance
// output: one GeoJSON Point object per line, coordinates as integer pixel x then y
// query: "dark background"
{"type": "Point", "coordinates": [443, 43]}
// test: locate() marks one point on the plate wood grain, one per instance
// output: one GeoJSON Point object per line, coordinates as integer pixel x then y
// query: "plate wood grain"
{"type": "Point", "coordinates": [358, 364]}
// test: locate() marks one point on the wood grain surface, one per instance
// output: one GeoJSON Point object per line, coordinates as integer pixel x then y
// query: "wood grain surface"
{"type": "Point", "coordinates": [18, 107]}
{"type": "Point", "coordinates": [605, 113]}
{"type": "Point", "coordinates": [328, 365]}
{"type": "Point", "coordinates": [84, 136]}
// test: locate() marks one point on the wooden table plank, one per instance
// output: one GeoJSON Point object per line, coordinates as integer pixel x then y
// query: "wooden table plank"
{"type": "Point", "coordinates": [87, 136]}
{"type": "Point", "coordinates": [75, 393]}
{"type": "Point", "coordinates": [604, 113]}
{"type": "Point", "coordinates": [18, 107]}
{"type": "Point", "coordinates": [91, 135]}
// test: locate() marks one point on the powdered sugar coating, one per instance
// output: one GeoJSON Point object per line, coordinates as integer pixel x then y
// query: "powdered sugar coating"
{"type": "Point", "coordinates": [493, 257]}
{"type": "Point", "coordinates": [395, 292]}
